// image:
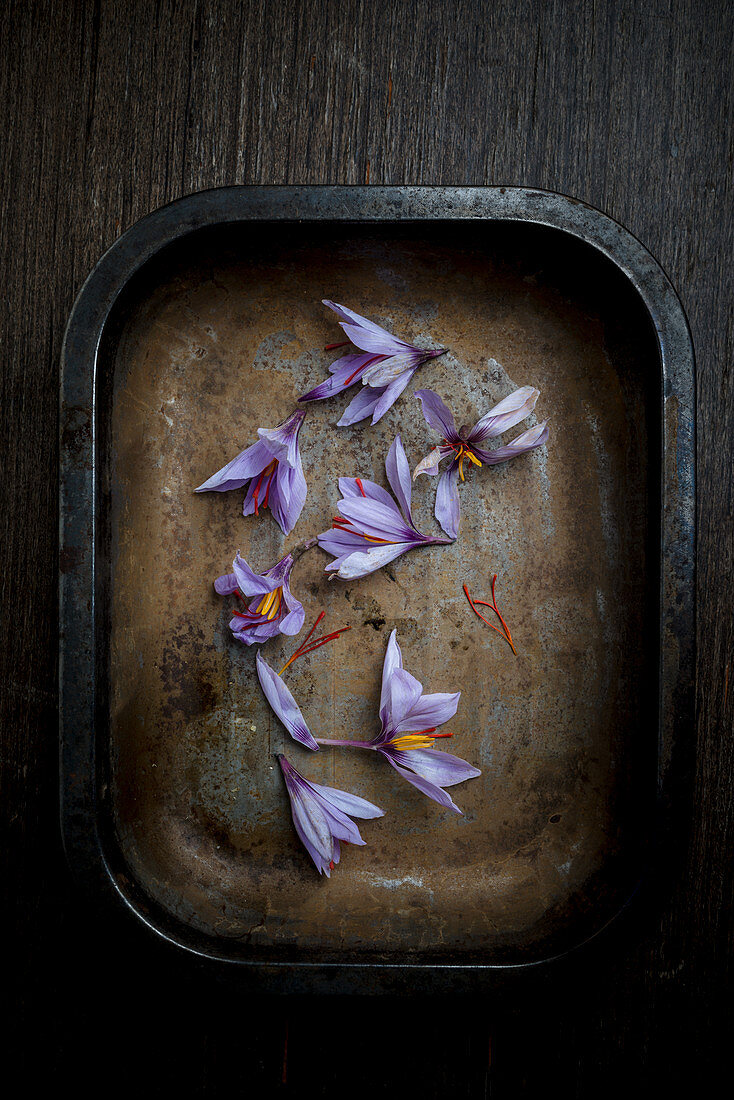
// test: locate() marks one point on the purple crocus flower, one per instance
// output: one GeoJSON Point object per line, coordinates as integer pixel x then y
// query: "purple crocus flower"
{"type": "Point", "coordinates": [467, 444]}
{"type": "Point", "coordinates": [272, 471]}
{"type": "Point", "coordinates": [409, 722]}
{"type": "Point", "coordinates": [273, 610]}
{"type": "Point", "coordinates": [370, 529]}
{"type": "Point", "coordinates": [283, 703]}
{"type": "Point", "coordinates": [323, 817]}
{"type": "Point", "coordinates": [384, 366]}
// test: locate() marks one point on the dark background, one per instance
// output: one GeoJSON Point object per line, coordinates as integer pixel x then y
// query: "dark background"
{"type": "Point", "coordinates": [113, 108]}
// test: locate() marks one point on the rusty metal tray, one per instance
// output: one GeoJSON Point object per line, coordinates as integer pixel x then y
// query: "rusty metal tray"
{"type": "Point", "coordinates": [204, 322]}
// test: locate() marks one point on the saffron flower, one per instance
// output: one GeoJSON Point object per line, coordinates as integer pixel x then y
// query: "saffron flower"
{"type": "Point", "coordinates": [371, 529]}
{"type": "Point", "coordinates": [467, 444]}
{"type": "Point", "coordinates": [272, 472]}
{"type": "Point", "coordinates": [409, 721]}
{"type": "Point", "coordinates": [323, 817]}
{"type": "Point", "coordinates": [273, 608]}
{"type": "Point", "coordinates": [384, 365]}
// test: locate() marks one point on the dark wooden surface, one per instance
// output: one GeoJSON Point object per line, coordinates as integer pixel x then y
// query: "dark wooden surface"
{"type": "Point", "coordinates": [113, 108]}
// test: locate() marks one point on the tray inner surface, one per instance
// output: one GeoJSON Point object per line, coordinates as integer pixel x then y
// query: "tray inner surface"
{"type": "Point", "coordinates": [218, 336]}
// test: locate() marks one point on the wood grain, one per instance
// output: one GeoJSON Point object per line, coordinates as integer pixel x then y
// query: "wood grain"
{"type": "Point", "coordinates": [113, 108]}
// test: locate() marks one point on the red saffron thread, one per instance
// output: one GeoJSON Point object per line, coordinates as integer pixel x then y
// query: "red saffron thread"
{"type": "Point", "coordinates": [305, 647]}
{"type": "Point", "coordinates": [505, 632]}
{"type": "Point", "coordinates": [360, 486]}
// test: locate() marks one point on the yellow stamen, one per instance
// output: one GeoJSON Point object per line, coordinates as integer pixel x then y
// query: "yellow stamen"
{"type": "Point", "coordinates": [270, 603]}
{"type": "Point", "coordinates": [466, 452]}
{"type": "Point", "coordinates": [411, 741]}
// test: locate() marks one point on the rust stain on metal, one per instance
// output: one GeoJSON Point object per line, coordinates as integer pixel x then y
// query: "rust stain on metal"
{"type": "Point", "coordinates": [222, 342]}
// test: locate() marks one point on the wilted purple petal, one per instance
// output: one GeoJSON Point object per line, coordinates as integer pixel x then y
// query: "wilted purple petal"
{"type": "Point", "coordinates": [283, 703]}
{"type": "Point", "coordinates": [348, 487]}
{"type": "Point", "coordinates": [345, 372]}
{"type": "Point", "coordinates": [438, 794]}
{"type": "Point", "coordinates": [359, 408]}
{"type": "Point", "coordinates": [282, 442]}
{"type": "Point", "coordinates": [349, 317]}
{"type": "Point", "coordinates": [351, 567]}
{"type": "Point", "coordinates": [429, 464]}
{"type": "Point", "coordinates": [505, 415]}
{"type": "Point", "coordinates": [249, 463]}
{"type": "Point", "coordinates": [393, 661]}
{"type": "Point", "coordinates": [398, 474]}
{"type": "Point", "coordinates": [251, 583]}
{"type": "Point", "coordinates": [528, 441]}
{"type": "Point", "coordinates": [290, 490]}
{"type": "Point", "coordinates": [437, 414]}
{"type": "Point", "coordinates": [389, 395]}
{"type": "Point", "coordinates": [348, 803]}
{"type": "Point", "coordinates": [447, 508]}
{"type": "Point", "coordinates": [226, 584]}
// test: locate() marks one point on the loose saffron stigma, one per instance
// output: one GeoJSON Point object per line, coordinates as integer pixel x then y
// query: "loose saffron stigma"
{"type": "Point", "coordinates": [308, 646]}
{"type": "Point", "coordinates": [505, 632]}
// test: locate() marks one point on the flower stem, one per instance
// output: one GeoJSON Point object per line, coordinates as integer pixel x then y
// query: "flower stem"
{"type": "Point", "coordinates": [343, 742]}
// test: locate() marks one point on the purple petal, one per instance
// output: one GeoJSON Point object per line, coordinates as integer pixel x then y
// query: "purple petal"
{"type": "Point", "coordinates": [430, 712]}
{"type": "Point", "coordinates": [393, 660]}
{"type": "Point", "coordinates": [438, 794]}
{"type": "Point", "coordinates": [429, 464]}
{"type": "Point", "coordinates": [352, 318]}
{"type": "Point", "coordinates": [226, 584]}
{"type": "Point", "coordinates": [389, 395]}
{"type": "Point", "coordinates": [398, 474]}
{"type": "Point", "coordinates": [358, 564]}
{"type": "Point", "coordinates": [386, 371]}
{"type": "Point", "coordinates": [374, 339]}
{"type": "Point", "coordinates": [252, 584]}
{"type": "Point", "coordinates": [282, 442]}
{"type": "Point", "coordinates": [346, 372]}
{"type": "Point", "coordinates": [248, 463]}
{"type": "Point", "coordinates": [403, 693]}
{"type": "Point", "coordinates": [348, 488]}
{"type": "Point", "coordinates": [254, 634]}
{"type": "Point", "coordinates": [509, 412]}
{"type": "Point", "coordinates": [437, 767]}
{"type": "Point", "coordinates": [437, 414]}
{"type": "Point", "coordinates": [290, 495]}
{"type": "Point", "coordinates": [348, 803]}
{"type": "Point", "coordinates": [528, 441]}
{"type": "Point", "coordinates": [447, 509]}
{"type": "Point", "coordinates": [284, 705]}
{"type": "Point", "coordinates": [359, 408]}
{"type": "Point", "coordinates": [377, 520]}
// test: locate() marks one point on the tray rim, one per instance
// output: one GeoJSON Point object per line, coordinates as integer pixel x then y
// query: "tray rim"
{"type": "Point", "coordinates": [81, 801]}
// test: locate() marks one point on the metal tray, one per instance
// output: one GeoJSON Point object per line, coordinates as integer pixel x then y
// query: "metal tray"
{"type": "Point", "coordinates": [204, 322]}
